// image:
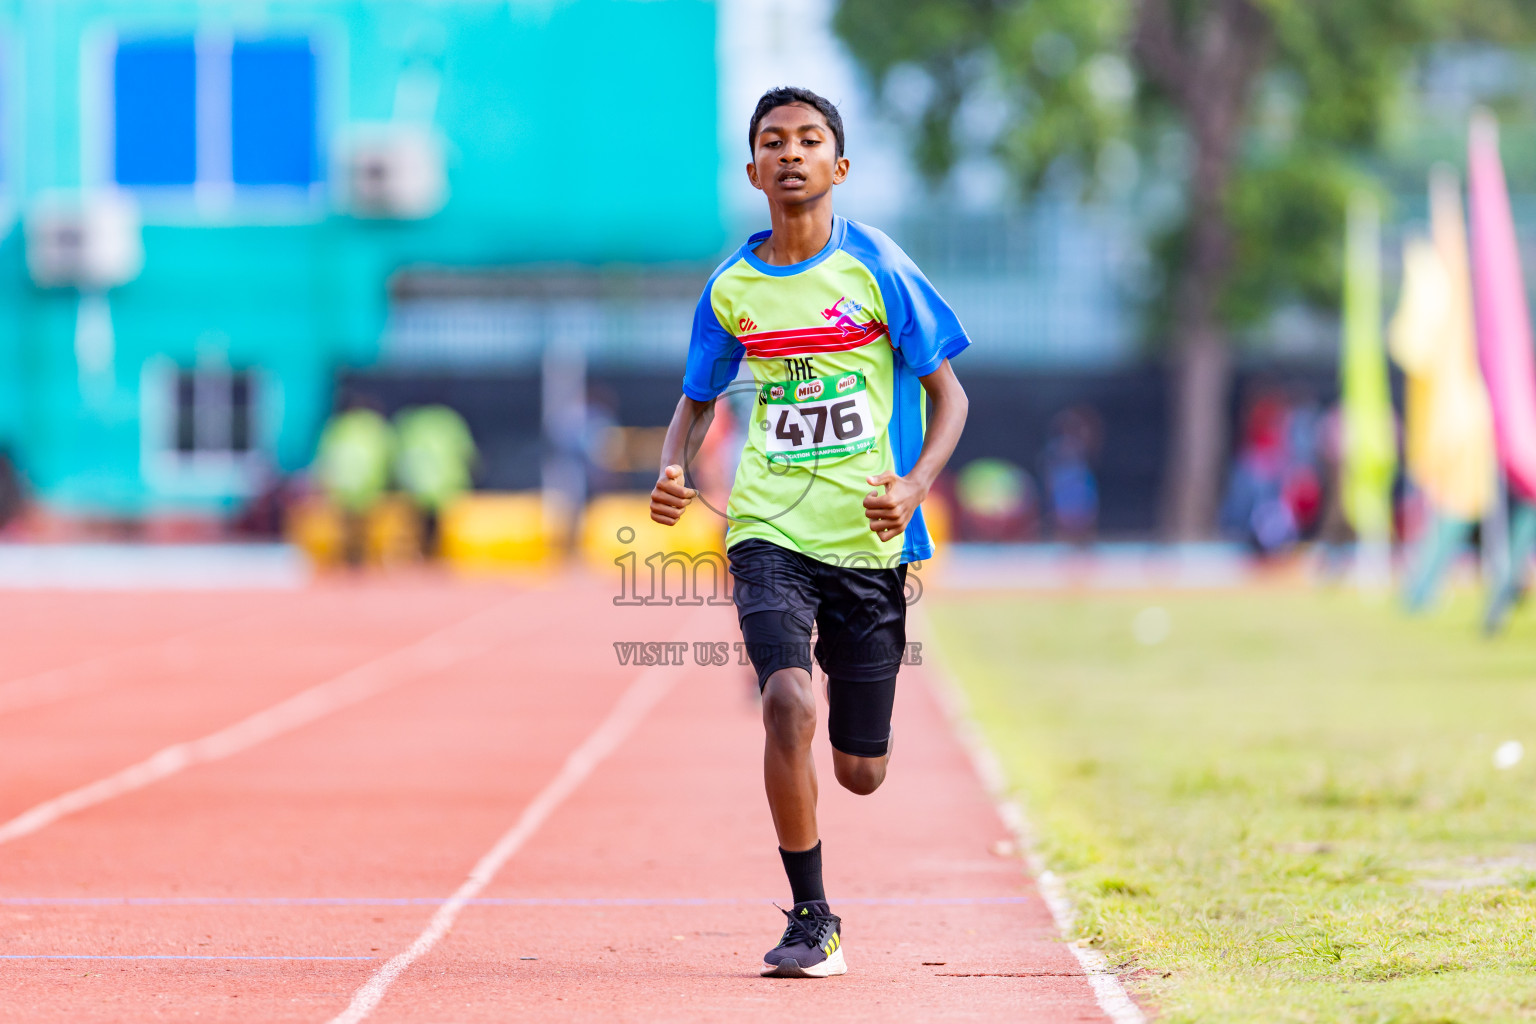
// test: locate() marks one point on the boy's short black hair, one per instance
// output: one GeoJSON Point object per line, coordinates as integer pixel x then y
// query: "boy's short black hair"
{"type": "Point", "coordinates": [785, 95]}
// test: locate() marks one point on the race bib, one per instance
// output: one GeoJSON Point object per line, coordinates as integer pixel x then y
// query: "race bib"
{"type": "Point", "coordinates": [820, 418]}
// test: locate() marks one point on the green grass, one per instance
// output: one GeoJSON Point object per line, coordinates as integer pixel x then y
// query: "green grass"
{"type": "Point", "coordinates": [1287, 810]}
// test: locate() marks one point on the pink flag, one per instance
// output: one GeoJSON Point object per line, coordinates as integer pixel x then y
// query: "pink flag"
{"type": "Point", "coordinates": [1503, 317]}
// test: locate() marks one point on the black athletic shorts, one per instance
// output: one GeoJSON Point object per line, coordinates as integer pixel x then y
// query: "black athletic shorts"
{"type": "Point", "coordinates": [860, 617]}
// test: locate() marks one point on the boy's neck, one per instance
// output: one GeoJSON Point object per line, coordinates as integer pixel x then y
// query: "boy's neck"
{"type": "Point", "coordinates": [799, 232]}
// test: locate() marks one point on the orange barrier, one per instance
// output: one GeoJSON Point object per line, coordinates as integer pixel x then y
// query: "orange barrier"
{"type": "Point", "coordinates": [391, 531]}
{"type": "Point", "coordinates": [490, 532]}
{"type": "Point", "coordinates": [616, 524]}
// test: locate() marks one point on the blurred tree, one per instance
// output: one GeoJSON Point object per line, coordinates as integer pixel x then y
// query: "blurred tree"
{"type": "Point", "coordinates": [1262, 106]}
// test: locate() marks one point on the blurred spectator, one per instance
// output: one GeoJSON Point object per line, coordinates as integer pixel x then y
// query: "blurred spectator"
{"type": "Point", "coordinates": [434, 456]}
{"type": "Point", "coordinates": [1275, 493]}
{"type": "Point", "coordinates": [1070, 483]}
{"type": "Point", "coordinates": [263, 515]}
{"type": "Point", "coordinates": [995, 501]}
{"type": "Point", "coordinates": [1303, 488]}
{"type": "Point", "coordinates": [600, 438]}
{"type": "Point", "coordinates": [352, 468]}
{"type": "Point", "coordinates": [1254, 509]}
{"type": "Point", "coordinates": [12, 494]}
{"type": "Point", "coordinates": [1333, 530]}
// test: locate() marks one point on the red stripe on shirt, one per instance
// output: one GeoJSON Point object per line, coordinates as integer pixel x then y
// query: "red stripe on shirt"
{"type": "Point", "coordinates": [809, 340]}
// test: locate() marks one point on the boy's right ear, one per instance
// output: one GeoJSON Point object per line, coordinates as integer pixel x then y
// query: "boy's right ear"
{"type": "Point", "coordinates": [752, 176]}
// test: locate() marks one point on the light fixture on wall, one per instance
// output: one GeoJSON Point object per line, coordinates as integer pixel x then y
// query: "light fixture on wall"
{"type": "Point", "coordinates": [89, 240]}
{"type": "Point", "coordinates": [395, 171]}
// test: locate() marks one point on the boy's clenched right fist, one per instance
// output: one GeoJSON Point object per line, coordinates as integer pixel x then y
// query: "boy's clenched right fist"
{"type": "Point", "coordinates": [669, 497]}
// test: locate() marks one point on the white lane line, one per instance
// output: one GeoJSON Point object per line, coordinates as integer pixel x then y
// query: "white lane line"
{"type": "Point", "coordinates": [642, 695]}
{"type": "Point", "coordinates": [1107, 989]}
{"type": "Point", "coordinates": [432, 653]}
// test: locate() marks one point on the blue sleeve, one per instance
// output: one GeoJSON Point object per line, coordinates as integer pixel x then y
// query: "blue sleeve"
{"type": "Point", "coordinates": [714, 354]}
{"type": "Point", "coordinates": [923, 327]}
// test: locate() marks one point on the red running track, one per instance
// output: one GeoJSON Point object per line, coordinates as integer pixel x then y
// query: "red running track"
{"type": "Point", "coordinates": [270, 881]}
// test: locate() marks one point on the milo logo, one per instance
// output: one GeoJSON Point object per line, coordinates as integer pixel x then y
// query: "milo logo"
{"type": "Point", "coordinates": [777, 391]}
{"type": "Point", "coordinates": [808, 389]}
{"type": "Point", "coordinates": [847, 382]}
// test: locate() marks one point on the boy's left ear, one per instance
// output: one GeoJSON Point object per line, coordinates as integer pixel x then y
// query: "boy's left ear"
{"type": "Point", "coordinates": [840, 170]}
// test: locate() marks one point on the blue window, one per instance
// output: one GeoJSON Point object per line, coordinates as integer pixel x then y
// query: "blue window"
{"type": "Point", "coordinates": [272, 112]}
{"type": "Point", "coordinates": [191, 111]}
{"type": "Point", "coordinates": [155, 112]}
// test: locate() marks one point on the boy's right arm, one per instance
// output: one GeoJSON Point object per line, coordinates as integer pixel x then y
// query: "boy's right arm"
{"type": "Point", "coordinates": [685, 433]}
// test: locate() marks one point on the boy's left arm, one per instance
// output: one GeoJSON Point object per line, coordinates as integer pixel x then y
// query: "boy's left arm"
{"type": "Point", "coordinates": [890, 512]}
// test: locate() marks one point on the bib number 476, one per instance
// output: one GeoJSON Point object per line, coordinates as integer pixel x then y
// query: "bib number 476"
{"type": "Point", "coordinates": [845, 419]}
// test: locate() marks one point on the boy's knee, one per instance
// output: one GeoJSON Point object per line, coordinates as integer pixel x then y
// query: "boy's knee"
{"type": "Point", "coordinates": [860, 775]}
{"type": "Point", "coordinates": [789, 708]}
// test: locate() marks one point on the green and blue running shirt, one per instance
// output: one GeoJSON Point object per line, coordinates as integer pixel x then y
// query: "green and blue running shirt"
{"type": "Point", "coordinates": [836, 346]}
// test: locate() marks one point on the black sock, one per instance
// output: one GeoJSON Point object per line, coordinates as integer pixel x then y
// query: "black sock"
{"type": "Point", "coordinates": [804, 871]}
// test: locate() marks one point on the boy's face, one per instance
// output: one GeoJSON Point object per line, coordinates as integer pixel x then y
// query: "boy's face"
{"type": "Point", "coordinates": [794, 157]}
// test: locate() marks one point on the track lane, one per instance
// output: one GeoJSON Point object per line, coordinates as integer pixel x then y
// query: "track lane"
{"type": "Point", "coordinates": [637, 700]}
{"type": "Point", "coordinates": [206, 682]}
{"type": "Point", "coordinates": [44, 659]}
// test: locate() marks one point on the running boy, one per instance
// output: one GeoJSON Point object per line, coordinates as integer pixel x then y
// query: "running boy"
{"type": "Point", "coordinates": [844, 337]}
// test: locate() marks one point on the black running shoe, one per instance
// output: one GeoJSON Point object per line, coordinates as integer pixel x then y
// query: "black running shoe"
{"type": "Point", "coordinates": [812, 945]}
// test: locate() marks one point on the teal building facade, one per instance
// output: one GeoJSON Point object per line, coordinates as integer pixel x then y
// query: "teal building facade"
{"type": "Point", "coordinates": [528, 133]}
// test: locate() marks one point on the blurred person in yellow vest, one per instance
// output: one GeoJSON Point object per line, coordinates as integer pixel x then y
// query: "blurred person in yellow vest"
{"type": "Point", "coordinates": [352, 468]}
{"type": "Point", "coordinates": [435, 455]}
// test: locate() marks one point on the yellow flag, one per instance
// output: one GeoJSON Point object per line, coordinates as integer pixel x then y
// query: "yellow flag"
{"type": "Point", "coordinates": [1449, 426]}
